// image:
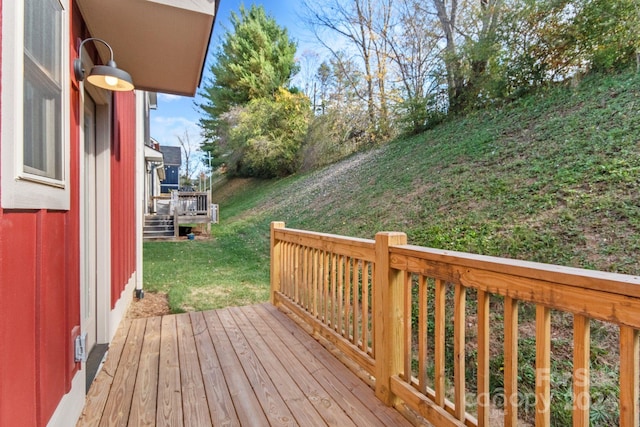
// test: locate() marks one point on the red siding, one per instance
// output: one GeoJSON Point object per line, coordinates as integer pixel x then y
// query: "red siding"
{"type": "Point", "coordinates": [51, 303]}
{"type": "Point", "coordinates": [35, 325]}
{"type": "Point", "coordinates": [17, 319]}
{"type": "Point", "coordinates": [40, 294]}
{"type": "Point", "coordinates": [123, 191]}
{"type": "Point", "coordinates": [40, 271]}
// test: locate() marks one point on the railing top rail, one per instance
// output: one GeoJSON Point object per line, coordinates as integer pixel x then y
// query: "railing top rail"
{"type": "Point", "coordinates": [192, 193]}
{"type": "Point", "coordinates": [617, 283]}
{"type": "Point", "coordinates": [351, 246]}
{"type": "Point", "coordinates": [326, 236]}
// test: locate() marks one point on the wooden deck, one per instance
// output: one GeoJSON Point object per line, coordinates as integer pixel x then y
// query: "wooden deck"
{"type": "Point", "coordinates": [250, 366]}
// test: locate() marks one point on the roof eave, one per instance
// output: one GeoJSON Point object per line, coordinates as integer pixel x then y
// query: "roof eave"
{"type": "Point", "coordinates": [161, 43]}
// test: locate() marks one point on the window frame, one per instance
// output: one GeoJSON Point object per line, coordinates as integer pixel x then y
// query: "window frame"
{"type": "Point", "coordinates": [20, 189]}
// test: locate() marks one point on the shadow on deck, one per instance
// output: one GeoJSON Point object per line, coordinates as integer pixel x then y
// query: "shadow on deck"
{"type": "Point", "coordinates": [249, 366]}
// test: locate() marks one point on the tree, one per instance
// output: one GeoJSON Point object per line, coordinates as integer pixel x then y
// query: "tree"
{"type": "Point", "coordinates": [340, 126]}
{"type": "Point", "coordinates": [607, 32]}
{"type": "Point", "coordinates": [469, 30]}
{"type": "Point", "coordinates": [414, 56]}
{"type": "Point", "coordinates": [306, 78]}
{"type": "Point", "coordinates": [267, 134]}
{"type": "Point", "coordinates": [324, 79]}
{"type": "Point", "coordinates": [362, 23]}
{"type": "Point", "coordinates": [546, 41]}
{"type": "Point", "coordinates": [255, 59]}
{"type": "Point", "coordinates": [188, 150]}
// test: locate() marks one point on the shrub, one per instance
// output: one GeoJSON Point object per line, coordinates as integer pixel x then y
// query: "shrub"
{"type": "Point", "coordinates": [268, 135]}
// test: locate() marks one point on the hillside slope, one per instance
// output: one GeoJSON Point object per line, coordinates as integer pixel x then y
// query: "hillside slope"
{"type": "Point", "coordinates": [552, 177]}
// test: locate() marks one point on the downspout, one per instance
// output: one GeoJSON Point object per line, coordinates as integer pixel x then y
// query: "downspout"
{"type": "Point", "coordinates": [141, 170]}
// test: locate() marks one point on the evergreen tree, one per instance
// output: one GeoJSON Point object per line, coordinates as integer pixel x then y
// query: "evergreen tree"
{"type": "Point", "coordinates": [255, 59]}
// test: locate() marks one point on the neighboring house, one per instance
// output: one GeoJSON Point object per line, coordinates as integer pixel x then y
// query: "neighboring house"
{"type": "Point", "coordinates": [172, 163]}
{"type": "Point", "coordinates": [71, 183]}
{"type": "Point", "coordinates": [155, 174]}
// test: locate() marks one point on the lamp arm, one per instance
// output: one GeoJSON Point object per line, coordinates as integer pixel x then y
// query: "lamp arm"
{"type": "Point", "coordinates": [77, 63]}
{"type": "Point", "coordinates": [107, 76]}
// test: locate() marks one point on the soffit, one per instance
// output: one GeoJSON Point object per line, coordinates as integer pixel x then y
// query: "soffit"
{"type": "Point", "coordinates": [152, 155]}
{"type": "Point", "coordinates": [161, 43]}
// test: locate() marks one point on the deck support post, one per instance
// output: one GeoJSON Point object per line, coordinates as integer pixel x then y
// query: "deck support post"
{"type": "Point", "coordinates": [176, 223]}
{"type": "Point", "coordinates": [388, 316]}
{"type": "Point", "coordinates": [276, 261]}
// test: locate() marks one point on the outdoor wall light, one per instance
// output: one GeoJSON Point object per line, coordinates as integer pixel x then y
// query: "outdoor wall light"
{"type": "Point", "coordinates": [108, 76]}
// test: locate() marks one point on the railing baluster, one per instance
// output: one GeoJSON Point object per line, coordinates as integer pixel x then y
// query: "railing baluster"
{"type": "Point", "coordinates": [303, 284]}
{"type": "Point", "coordinates": [459, 325]}
{"type": "Point", "coordinates": [355, 311]}
{"type": "Point", "coordinates": [291, 270]}
{"type": "Point", "coordinates": [326, 302]}
{"type": "Point", "coordinates": [543, 365]}
{"type": "Point", "coordinates": [440, 301]}
{"type": "Point", "coordinates": [365, 306]}
{"type": "Point", "coordinates": [313, 296]}
{"type": "Point", "coordinates": [581, 369]}
{"type": "Point", "coordinates": [321, 287]}
{"type": "Point", "coordinates": [340, 328]}
{"type": "Point", "coordinates": [314, 270]}
{"type": "Point", "coordinates": [373, 309]}
{"type": "Point", "coordinates": [422, 333]}
{"type": "Point", "coordinates": [510, 362]}
{"type": "Point", "coordinates": [408, 278]}
{"type": "Point", "coordinates": [484, 398]}
{"type": "Point", "coordinates": [309, 281]}
{"type": "Point", "coordinates": [629, 371]}
{"type": "Point", "coordinates": [347, 299]}
{"type": "Point", "coordinates": [334, 291]}
{"type": "Point", "coordinates": [303, 278]}
{"type": "Point", "coordinates": [296, 274]}
{"type": "Point", "coordinates": [284, 269]}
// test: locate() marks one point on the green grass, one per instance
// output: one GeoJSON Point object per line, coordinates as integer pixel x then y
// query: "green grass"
{"type": "Point", "coordinates": [553, 178]}
{"type": "Point", "coordinates": [230, 269]}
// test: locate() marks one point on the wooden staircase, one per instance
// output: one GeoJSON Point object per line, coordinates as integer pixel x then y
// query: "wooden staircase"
{"type": "Point", "coordinates": [158, 227]}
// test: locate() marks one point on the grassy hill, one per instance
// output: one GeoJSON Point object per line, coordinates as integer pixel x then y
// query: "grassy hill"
{"type": "Point", "coordinates": [552, 177]}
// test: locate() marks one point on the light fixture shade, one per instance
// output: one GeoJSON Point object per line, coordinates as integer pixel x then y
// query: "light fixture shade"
{"type": "Point", "coordinates": [110, 77]}
{"type": "Point", "coordinates": [107, 76]}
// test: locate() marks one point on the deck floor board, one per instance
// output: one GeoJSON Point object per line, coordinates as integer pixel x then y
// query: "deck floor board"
{"type": "Point", "coordinates": [143, 406]}
{"type": "Point", "coordinates": [241, 366]}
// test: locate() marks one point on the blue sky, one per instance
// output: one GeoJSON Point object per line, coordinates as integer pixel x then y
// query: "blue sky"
{"type": "Point", "coordinates": [177, 114]}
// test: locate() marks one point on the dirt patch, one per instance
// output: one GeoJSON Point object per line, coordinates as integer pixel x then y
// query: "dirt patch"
{"type": "Point", "coordinates": [153, 304]}
{"type": "Point", "coordinates": [318, 189]}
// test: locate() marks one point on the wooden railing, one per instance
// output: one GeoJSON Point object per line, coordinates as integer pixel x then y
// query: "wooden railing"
{"type": "Point", "coordinates": [190, 203]}
{"type": "Point", "coordinates": [329, 280]}
{"type": "Point", "coordinates": [403, 314]}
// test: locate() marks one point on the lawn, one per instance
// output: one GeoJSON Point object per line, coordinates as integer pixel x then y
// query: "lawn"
{"type": "Point", "coordinates": [229, 269]}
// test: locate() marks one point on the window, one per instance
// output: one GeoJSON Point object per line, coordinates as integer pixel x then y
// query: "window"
{"type": "Point", "coordinates": [35, 105]}
{"type": "Point", "coordinates": [42, 150]}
